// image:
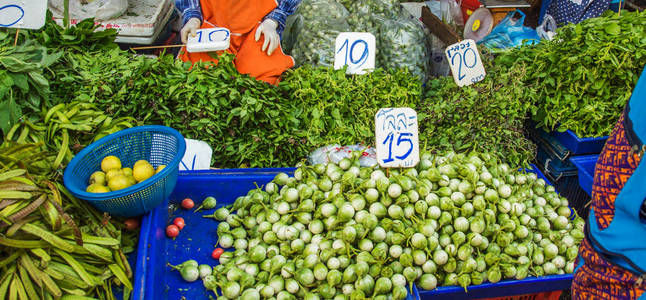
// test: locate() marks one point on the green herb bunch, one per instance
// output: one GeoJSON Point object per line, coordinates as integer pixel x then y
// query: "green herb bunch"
{"type": "Point", "coordinates": [585, 76]}
{"type": "Point", "coordinates": [486, 117]}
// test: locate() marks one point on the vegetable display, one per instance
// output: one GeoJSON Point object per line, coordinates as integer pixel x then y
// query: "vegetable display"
{"type": "Point", "coordinates": [340, 229]}
{"type": "Point", "coordinates": [52, 244]}
{"type": "Point", "coordinates": [585, 76]}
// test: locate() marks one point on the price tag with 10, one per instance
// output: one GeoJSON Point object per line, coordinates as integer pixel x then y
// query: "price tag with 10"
{"type": "Point", "coordinates": [209, 39]}
{"type": "Point", "coordinates": [397, 136]}
{"type": "Point", "coordinates": [355, 50]}
{"type": "Point", "coordinates": [25, 14]}
{"type": "Point", "coordinates": [464, 60]}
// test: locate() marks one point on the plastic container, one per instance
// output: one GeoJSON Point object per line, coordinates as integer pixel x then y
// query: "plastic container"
{"type": "Point", "coordinates": [506, 289]}
{"type": "Point", "coordinates": [554, 295]}
{"type": "Point", "coordinates": [579, 146]}
{"type": "Point", "coordinates": [585, 164]}
{"type": "Point", "coordinates": [159, 145]}
{"type": "Point", "coordinates": [552, 158]}
{"type": "Point", "coordinates": [468, 7]}
{"type": "Point", "coordinates": [154, 280]}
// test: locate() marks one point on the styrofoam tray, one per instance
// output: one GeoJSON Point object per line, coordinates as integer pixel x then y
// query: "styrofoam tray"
{"type": "Point", "coordinates": [144, 18]}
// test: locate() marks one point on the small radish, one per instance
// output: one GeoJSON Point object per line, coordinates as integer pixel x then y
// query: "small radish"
{"type": "Point", "coordinates": [187, 203]}
{"type": "Point", "coordinates": [131, 224]}
{"type": "Point", "coordinates": [172, 231]}
{"type": "Point", "coordinates": [179, 222]}
{"type": "Point", "coordinates": [217, 252]}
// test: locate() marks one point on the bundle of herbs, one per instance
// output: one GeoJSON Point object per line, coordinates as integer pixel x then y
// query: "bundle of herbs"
{"type": "Point", "coordinates": [487, 116]}
{"type": "Point", "coordinates": [585, 76]}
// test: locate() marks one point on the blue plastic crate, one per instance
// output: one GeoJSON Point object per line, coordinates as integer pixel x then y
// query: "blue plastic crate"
{"type": "Point", "coordinates": [585, 164]}
{"type": "Point", "coordinates": [156, 281]}
{"type": "Point", "coordinates": [579, 146]}
{"type": "Point", "coordinates": [504, 288]}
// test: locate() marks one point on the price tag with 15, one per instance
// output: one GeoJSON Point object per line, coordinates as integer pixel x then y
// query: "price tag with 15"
{"type": "Point", "coordinates": [397, 136]}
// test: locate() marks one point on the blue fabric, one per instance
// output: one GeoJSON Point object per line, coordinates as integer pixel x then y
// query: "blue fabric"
{"type": "Point", "coordinates": [575, 11]}
{"type": "Point", "coordinates": [637, 106]}
{"type": "Point", "coordinates": [625, 233]}
{"type": "Point", "coordinates": [192, 9]}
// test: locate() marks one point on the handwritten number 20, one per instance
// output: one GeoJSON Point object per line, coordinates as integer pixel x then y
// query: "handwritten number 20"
{"type": "Point", "coordinates": [462, 60]}
{"type": "Point", "coordinates": [403, 138]}
{"type": "Point", "coordinates": [349, 53]}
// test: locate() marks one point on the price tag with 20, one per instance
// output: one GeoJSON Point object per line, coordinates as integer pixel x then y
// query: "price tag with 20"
{"type": "Point", "coordinates": [464, 60]}
{"type": "Point", "coordinates": [356, 50]}
{"type": "Point", "coordinates": [25, 14]}
{"type": "Point", "coordinates": [209, 39]}
{"type": "Point", "coordinates": [397, 137]}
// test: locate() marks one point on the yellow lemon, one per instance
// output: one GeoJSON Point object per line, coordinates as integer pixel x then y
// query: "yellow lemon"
{"type": "Point", "coordinates": [119, 182]}
{"type": "Point", "coordinates": [160, 168]}
{"type": "Point", "coordinates": [139, 162]}
{"type": "Point", "coordinates": [110, 163]}
{"type": "Point", "coordinates": [112, 173]}
{"type": "Point", "coordinates": [98, 177]}
{"type": "Point", "coordinates": [131, 180]}
{"type": "Point", "coordinates": [143, 171]}
{"type": "Point", "coordinates": [97, 188]}
{"type": "Point", "coordinates": [127, 171]}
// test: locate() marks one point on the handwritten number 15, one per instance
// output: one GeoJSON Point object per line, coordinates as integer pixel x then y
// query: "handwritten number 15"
{"type": "Point", "coordinates": [403, 138]}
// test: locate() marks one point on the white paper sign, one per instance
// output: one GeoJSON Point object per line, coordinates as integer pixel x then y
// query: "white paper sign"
{"type": "Point", "coordinates": [197, 156]}
{"type": "Point", "coordinates": [397, 137]}
{"type": "Point", "coordinates": [356, 50]}
{"type": "Point", "coordinates": [465, 62]}
{"type": "Point", "coordinates": [26, 14]}
{"type": "Point", "coordinates": [211, 39]}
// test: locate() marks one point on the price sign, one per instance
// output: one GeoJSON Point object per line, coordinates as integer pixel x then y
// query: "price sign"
{"type": "Point", "coordinates": [26, 14]}
{"type": "Point", "coordinates": [355, 50]}
{"type": "Point", "coordinates": [210, 39]}
{"type": "Point", "coordinates": [397, 137]}
{"type": "Point", "coordinates": [466, 65]}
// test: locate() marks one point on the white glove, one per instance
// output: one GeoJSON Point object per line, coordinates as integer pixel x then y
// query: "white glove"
{"type": "Point", "coordinates": [111, 9]}
{"type": "Point", "coordinates": [272, 39]}
{"type": "Point", "coordinates": [191, 28]}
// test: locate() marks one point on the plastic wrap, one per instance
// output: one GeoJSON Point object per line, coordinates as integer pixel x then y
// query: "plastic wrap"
{"type": "Point", "coordinates": [510, 33]}
{"type": "Point", "coordinates": [335, 153]}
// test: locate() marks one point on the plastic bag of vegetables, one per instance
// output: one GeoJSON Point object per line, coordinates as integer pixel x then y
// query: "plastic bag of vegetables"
{"type": "Point", "coordinates": [403, 44]}
{"type": "Point", "coordinates": [310, 33]}
{"type": "Point", "coordinates": [385, 8]}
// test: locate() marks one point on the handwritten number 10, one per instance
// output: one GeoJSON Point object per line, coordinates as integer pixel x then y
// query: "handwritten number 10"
{"type": "Point", "coordinates": [350, 53]}
{"type": "Point", "coordinates": [462, 60]}
{"type": "Point", "coordinates": [403, 138]}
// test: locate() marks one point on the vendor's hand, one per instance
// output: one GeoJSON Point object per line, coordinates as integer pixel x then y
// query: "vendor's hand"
{"type": "Point", "coordinates": [272, 39]}
{"type": "Point", "coordinates": [191, 27]}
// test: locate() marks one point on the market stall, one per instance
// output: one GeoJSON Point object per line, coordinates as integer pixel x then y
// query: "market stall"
{"type": "Point", "coordinates": [366, 169]}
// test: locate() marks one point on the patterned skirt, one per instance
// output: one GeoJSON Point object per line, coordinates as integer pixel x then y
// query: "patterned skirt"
{"type": "Point", "coordinates": [599, 278]}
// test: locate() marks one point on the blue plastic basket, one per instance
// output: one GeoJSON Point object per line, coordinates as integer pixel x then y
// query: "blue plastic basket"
{"type": "Point", "coordinates": [154, 280]}
{"type": "Point", "coordinates": [586, 165]}
{"type": "Point", "coordinates": [580, 145]}
{"type": "Point", "coordinates": [159, 145]}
